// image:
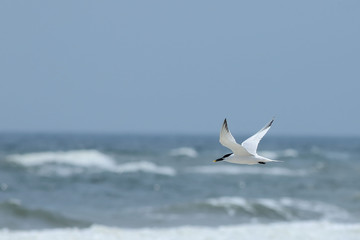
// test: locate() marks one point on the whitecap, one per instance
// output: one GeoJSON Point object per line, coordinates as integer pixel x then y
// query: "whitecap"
{"type": "Point", "coordinates": [184, 152]}
{"type": "Point", "coordinates": [59, 170]}
{"type": "Point", "coordinates": [144, 166]}
{"type": "Point", "coordinates": [229, 203]}
{"type": "Point", "coordinates": [81, 158]}
{"type": "Point", "coordinates": [66, 163]}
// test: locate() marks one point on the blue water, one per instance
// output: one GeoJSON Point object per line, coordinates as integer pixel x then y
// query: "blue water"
{"type": "Point", "coordinates": [137, 181]}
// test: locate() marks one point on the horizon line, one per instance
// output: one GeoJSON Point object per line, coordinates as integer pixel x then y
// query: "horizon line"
{"type": "Point", "coordinates": [148, 133]}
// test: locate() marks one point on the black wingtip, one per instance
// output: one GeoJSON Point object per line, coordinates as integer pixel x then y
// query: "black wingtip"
{"type": "Point", "coordinates": [223, 157]}
{"type": "Point", "coordinates": [271, 122]}
{"type": "Point", "coordinates": [218, 160]}
{"type": "Point", "coordinates": [225, 125]}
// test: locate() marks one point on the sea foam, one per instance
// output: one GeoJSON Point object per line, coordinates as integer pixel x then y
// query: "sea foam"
{"type": "Point", "coordinates": [294, 230]}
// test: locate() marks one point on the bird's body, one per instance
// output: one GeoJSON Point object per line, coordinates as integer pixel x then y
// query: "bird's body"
{"type": "Point", "coordinates": [250, 160]}
{"type": "Point", "coordinates": [246, 152]}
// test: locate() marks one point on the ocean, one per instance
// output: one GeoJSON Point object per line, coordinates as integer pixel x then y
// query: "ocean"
{"type": "Point", "coordinates": [104, 186]}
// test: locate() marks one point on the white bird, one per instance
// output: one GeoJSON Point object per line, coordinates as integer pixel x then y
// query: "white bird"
{"type": "Point", "coordinates": [246, 152]}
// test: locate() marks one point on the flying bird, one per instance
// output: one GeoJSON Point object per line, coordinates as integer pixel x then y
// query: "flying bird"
{"type": "Point", "coordinates": [244, 153]}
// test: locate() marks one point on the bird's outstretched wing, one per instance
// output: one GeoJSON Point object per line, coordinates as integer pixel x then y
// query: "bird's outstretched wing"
{"type": "Point", "coordinates": [252, 142]}
{"type": "Point", "coordinates": [227, 140]}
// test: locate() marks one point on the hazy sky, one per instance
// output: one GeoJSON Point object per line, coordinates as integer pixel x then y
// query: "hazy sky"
{"type": "Point", "coordinates": [180, 66]}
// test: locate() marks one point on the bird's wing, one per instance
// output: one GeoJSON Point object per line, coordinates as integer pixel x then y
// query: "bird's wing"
{"type": "Point", "coordinates": [252, 142]}
{"type": "Point", "coordinates": [227, 140]}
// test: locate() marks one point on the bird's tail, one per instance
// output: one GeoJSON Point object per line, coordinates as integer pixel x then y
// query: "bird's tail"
{"type": "Point", "coordinates": [263, 159]}
{"type": "Point", "coordinates": [275, 160]}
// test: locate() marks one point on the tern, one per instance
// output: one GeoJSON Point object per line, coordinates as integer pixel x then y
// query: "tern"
{"type": "Point", "coordinates": [244, 153]}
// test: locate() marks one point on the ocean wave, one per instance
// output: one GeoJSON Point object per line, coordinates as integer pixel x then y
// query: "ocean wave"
{"type": "Point", "coordinates": [233, 170]}
{"type": "Point", "coordinates": [59, 170]}
{"type": "Point", "coordinates": [81, 158]}
{"type": "Point", "coordinates": [287, 208]}
{"type": "Point", "coordinates": [184, 152]}
{"type": "Point", "coordinates": [279, 231]}
{"type": "Point", "coordinates": [287, 153]}
{"type": "Point", "coordinates": [144, 166]}
{"type": "Point", "coordinates": [14, 210]}
{"type": "Point", "coordinates": [78, 161]}
{"type": "Point", "coordinates": [331, 154]}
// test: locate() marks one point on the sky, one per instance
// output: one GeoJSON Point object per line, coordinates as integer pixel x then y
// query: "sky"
{"type": "Point", "coordinates": [180, 66]}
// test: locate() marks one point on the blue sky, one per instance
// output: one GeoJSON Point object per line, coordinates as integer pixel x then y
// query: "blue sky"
{"type": "Point", "coordinates": [180, 66]}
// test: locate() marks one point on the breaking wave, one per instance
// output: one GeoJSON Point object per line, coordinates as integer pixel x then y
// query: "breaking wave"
{"type": "Point", "coordinates": [286, 208]}
{"type": "Point", "coordinates": [144, 166]}
{"type": "Point", "coordinates": [184, 152]}
{"type": "Point", "coordinates": [78, 161]}
{"type": "Point", "coordinates": [233, 170]}
{"type": "Point", "coordinates": [80, 158]}
{"type": "Point", "coordinates": [279, 231]}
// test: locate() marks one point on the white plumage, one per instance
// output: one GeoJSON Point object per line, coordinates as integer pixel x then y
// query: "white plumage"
{"type": "Point", "coordinates": [246, 152]}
